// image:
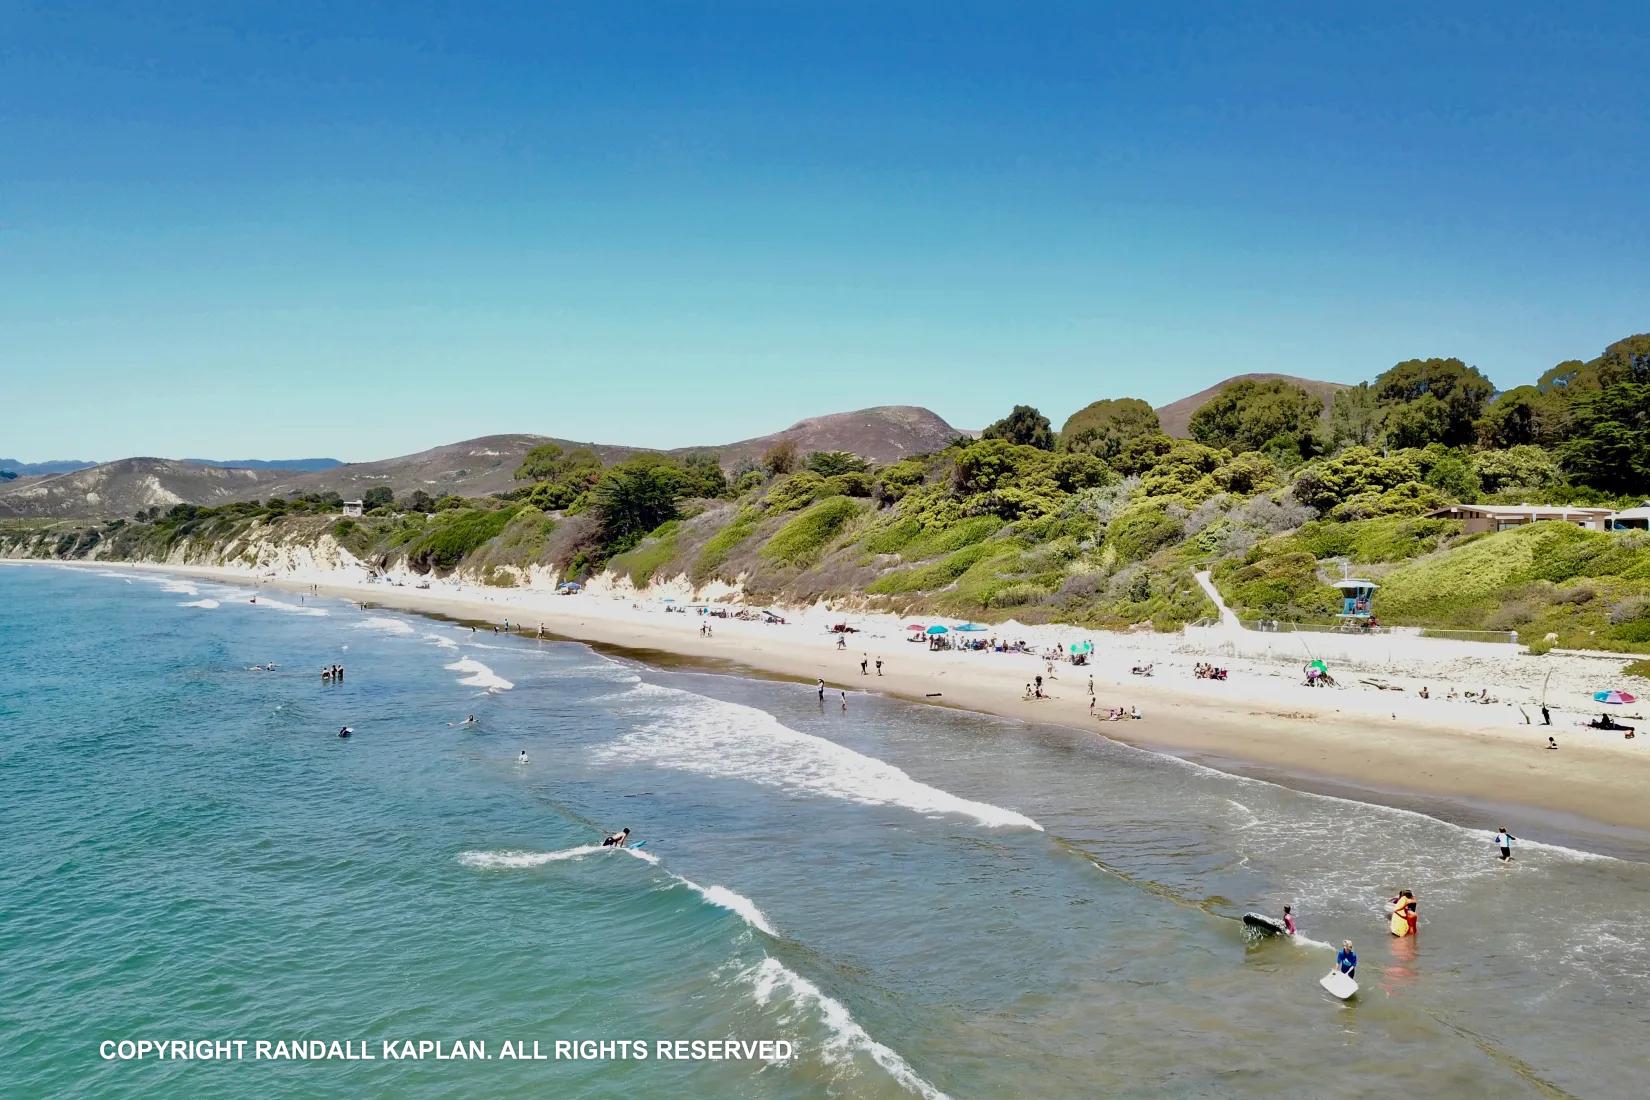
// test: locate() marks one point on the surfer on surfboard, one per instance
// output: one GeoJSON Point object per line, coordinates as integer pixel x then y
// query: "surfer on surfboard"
{"type": "Point", "coordinates": [618, 839]}
{"type": "Point", "coordinates": [1346, 960]}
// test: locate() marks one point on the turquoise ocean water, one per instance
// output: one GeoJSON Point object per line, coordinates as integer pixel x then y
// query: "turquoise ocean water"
{"type": "Point", "coordinates": [923, 902]}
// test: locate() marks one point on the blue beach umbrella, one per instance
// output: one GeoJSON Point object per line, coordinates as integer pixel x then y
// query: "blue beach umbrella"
{"type": "Point", "coordinates": [937, 629]}
{"type": "Point", "coordinates": [971, 627]}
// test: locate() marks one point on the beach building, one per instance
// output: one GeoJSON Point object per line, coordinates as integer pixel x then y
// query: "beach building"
{"type": "Point", "coordinates": [1631, 519]}
{"type": "Point", "coordinates": [352, 508]}
{"type": "Point", "coordinates": [1476, 518]}
{"type": "Point", "coordinates": [1357, 597]}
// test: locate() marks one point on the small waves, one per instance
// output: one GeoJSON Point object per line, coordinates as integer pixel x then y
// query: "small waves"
{"type": "Point", "coordinates": [844, 1037]}
{"type": "Point", "coordinates": [385, 625]}
{"type": "Point", "coordinates": [513, 861]}
{"type": "Point", "coordinates": [290, 608]}
{"type": "Point", "coordinates": [732, 901]}
{"type": "Point", "coordinates": [441, 640]}
{"type": "Point", "coordinates": [206, 603]}
{"type": "Point", "coordinates": [694, 733]}
{"type": "Point", "coordinates": [478, 675]}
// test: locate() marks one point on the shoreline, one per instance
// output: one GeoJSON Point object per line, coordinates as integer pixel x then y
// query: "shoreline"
{"type": "Point", "coordinates": [1320, 741]}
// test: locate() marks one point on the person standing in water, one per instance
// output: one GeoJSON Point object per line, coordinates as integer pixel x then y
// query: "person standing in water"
{"type": "Point", "coordinates": [1288, 920]}
{"type": "Point", "coordinates": [1504, 841]}
{"type": "Point", "coordinates": [820, 687]}
{"type": "Point", "coordinates": [1346, 960]}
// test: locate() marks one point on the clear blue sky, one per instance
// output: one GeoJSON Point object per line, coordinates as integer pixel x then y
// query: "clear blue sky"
{"type": "Point", "coordinates": [266, 232]}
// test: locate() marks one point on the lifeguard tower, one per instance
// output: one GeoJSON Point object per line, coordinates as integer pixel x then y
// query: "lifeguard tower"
{"type": "Point", "coordinates": [1357, 598]}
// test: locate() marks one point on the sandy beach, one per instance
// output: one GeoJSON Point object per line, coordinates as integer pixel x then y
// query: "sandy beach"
{"type": "Point", "coordinates": [1375, 744]}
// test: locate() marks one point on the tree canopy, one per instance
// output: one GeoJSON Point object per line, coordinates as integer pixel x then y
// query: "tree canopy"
{"type": "Point", "coordinates": [1104, 428]}
{"type": "Point", "coordinates": [1260, 415]}
{"type": "Point", "coordinates": [1023, 425]}
{"type": "Point", "coordinates": [1431, 401]}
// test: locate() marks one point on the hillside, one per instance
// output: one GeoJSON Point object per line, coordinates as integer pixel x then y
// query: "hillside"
{"type": "Point", "coordinates": [291, 465]}
{"type": "Point", "coordinates": [1176, 415]}
{"type": "Point", "coordinates": [473, 467]}
{"type": "Point", "coordinates": [122, 488]}
{"type": "Point", "coordinates": [886, 433]}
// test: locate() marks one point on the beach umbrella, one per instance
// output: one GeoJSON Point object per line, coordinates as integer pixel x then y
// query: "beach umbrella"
{"type": "Point", "coordinates": [915, 626]}
{"type": "Point", "coordinates": [938, 629]}
{"type": "Point", "coordinates": [1614, 697]}
{"type": "Point", "coordinates": [971, 626]}
{"type": "Point", "coordinates": [1083, 647]}
{"type": "Point", "coordinates": [1319, 665]}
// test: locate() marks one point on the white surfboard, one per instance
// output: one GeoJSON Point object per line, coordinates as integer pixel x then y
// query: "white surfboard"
{"type": "Point", "coordinates": [1338, 984]}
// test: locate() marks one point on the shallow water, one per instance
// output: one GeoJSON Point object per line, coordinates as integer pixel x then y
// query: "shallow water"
{"type": "Point", "coordinates": [925, 902]}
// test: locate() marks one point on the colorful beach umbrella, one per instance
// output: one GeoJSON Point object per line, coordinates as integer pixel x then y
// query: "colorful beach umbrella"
{"type": "Point", "coordinates": [938, 629]}
{"type": "Point", "coordinates": [915, 626]}
{"type": "Point", "coordinates": [971, 626]}
{"type": "Point", "coordinates": [1614, 697]}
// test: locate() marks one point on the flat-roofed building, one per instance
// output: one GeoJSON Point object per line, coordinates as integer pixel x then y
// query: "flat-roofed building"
{"type": "Point", "coordinates": [1502, 517]}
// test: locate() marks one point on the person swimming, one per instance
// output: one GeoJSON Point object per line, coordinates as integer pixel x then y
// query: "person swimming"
{"type": "Point", "coordinates": [618, 839]}
{"type": "Point", "coordinates": [1346, 960]}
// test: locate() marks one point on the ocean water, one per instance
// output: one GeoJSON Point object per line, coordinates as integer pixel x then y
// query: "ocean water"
{"type": "Point", "coordinates": [924, 903]}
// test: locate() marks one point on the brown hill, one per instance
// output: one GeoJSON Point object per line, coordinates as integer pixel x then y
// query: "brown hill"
{"type": "Point", "coordinates": [886, 433]}
{"type": "Point", "coordinates": [120, 488]}
{"type": "Point", "coordinates": [1177, 414]}
{"type": "Point", "coordinates": [474, 467]}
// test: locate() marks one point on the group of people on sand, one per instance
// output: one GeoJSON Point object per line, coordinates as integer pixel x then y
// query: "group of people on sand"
{"type": "Point", "coordinates": [1114, 714]}
{"type": "Point", "coordinates": [1208, 672]}
{"type": "Point", "coordinates": [332, 674]}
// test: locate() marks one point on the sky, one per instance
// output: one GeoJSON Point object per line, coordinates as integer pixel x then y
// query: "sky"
{"type": "Point", "coordinates": [244, 231]}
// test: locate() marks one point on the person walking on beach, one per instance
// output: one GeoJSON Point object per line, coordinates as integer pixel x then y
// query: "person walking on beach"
{"type": "Point", "coordinates": [1091, 690]}
{"type": "Point", "coordinates": [864, 666]}
{"type": "Point", "coordinates": [879, 666]}
{"type": "Point", "coordinates": [1504, 841]}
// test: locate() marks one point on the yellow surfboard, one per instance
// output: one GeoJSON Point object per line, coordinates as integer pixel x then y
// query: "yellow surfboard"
{"type": "Point", "coordinates": [1398, 924]}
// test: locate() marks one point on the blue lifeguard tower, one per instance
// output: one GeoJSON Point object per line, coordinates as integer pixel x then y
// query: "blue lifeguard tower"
{"type": "Point", "coordinates": [1357, 597]}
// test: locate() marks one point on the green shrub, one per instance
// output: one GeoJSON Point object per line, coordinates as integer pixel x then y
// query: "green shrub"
{"type": "Point", "coordinates": [721, 544]}
{"type": "Point", "coordinates": [803, 539]}
{"type": "Point", "coordinates": [455, 533]}
{"type": "Point", "coordinates": [1140, 532]}
{"type": "Point", "coordinates": [1641, 669]}
{"type": "Point", "coordinates": [652, 553]}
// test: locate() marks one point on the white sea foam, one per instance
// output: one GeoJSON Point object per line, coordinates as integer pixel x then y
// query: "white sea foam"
{"type": "Point", "coordinates": [182, 588]}
{"type": "Point", "coordinates": [732, 901]}
{"type": "Point", "coordinates": [441, 640]}
{"type": "Point", "coordinates": [388, 626]}
{"type": "Point", "coordinates": [282, 605]}
{"type": "Point", "coordinates": [207, 603]}
{"type": "Point", "coordinates": [479, 675]}
{"type": "Point", "coordinates": [694, 733]}
{"type": "Point", "coordinates": [844, 1036]}
{"type": "Point", "coordinates": [499, 861]}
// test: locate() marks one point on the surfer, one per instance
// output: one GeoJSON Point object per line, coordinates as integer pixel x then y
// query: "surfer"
{"type": "Point", "coordinates": [1504, 841]}
{"type": "Point", "coordinates": [618, 839]}
{"type": "Point", "coordinates": [1346, 960]}
{"type": "Point", "coordinates": [1288, 920]}
{"type": "Point", "coordinates": [344, 731]}
{"type": "Point", "coordinates": [522, 758]}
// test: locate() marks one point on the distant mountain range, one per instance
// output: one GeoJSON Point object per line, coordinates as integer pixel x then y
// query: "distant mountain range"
{"type": "Point", "coordinates": [474, 467]}
{"type": "Point", "coordinates": [1176, 415]}
{"type": "Point", "coordinates": [56, 466]}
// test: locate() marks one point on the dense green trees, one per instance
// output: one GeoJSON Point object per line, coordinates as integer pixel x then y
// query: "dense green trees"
{"type": "Point", "coordinates": [1023, 425]}
{"type": "Point", "coordinates": [1355, 416]}
{"type": "Point", "coordinates": [1431, 401]}
{"type": "Point", "coordinates": [633, 498]}
{"type": "Point", "coordinates": [1104, 428]}
{"type": "Point", "coordinates": [831, 463]}
{"type": "Point", "coordinates": [1260, 415]}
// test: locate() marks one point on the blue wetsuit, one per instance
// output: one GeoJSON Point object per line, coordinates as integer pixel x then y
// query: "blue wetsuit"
{"type": "Point", "coordinates": [1347, 960]}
